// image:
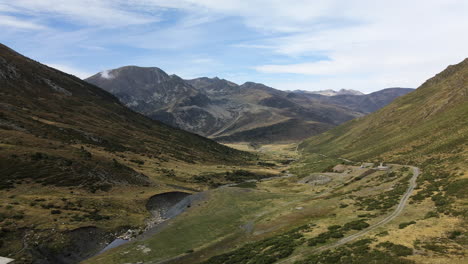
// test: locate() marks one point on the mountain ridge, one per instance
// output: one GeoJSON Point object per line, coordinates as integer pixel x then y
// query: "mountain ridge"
{"type": "Point", "coordinates": [226, 111]}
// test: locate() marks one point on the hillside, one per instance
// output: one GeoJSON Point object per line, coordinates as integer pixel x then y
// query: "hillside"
{"type": "Point", "coordinates": [427, 128]}
{"type": "Point", "coordinates": [429, 122]}
{"type": "Point", "coordinates": [221, 109]}
{"type": "Point", "coordinates": [72, 156]}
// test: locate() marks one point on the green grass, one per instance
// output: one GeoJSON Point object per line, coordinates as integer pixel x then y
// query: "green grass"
{"type": "Point", "coordinates": [429, 121]}
{"type": "Point", "coordinates": [313, 162]}
{"type": "Point", "coordinates": [222, 216]}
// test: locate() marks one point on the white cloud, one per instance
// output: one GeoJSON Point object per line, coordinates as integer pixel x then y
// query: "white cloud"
{"type": "Point", "coordinates": [367, 43]}
{"type": "Point", "coordinates": [106, 74]}
{"type": "Point", "coordinates": [82, 74]}
{"type": "Point", "coordinates": [105, 13]}
{"type": "Point", "coordinates": [392, 44]}
{"type": "Point", "coordinates": [9, 21]}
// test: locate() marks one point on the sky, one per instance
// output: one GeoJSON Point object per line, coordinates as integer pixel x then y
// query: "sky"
{"type": "Point", "coordinates": [365, 45]}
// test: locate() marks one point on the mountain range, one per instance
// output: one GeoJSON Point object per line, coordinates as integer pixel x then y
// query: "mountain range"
{"type": "Point", "coordinates": [228, 112]}
{"type": "Point", "coordinates": [388, 187]}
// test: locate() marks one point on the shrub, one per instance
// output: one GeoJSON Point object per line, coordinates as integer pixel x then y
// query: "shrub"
{"type": "Point", "coordinates": [396, 249]}
{"type": "Point", "coordinates": [458, 188]}
{"type": "Point", "coordinates": [405, 224]}
{"type": "Point", "coordinates": [357, 225]}
{"type": "Point", "coordinates": [431, 214]}
{"type": "Point", "coordinates": [454, 234]}
{"type": "Point", "coordinates": [264, 251]}
{"type": "Point", "coordinates": [18, 216]}
{"type": "Point", "coordinates": [137, 161]}
{"type": "Point", "coordinates": [334, 227]}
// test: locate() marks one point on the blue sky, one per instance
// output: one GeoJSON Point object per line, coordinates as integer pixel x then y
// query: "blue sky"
{"type": "Point", "coordinates": [366, 45]}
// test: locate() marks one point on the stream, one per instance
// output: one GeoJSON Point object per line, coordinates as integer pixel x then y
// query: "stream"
{"type": "Point", "coordinates": [165, 206]}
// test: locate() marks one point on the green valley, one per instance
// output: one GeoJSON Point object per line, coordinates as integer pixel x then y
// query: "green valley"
{"type": "Point", "coordinates": [102, 163]}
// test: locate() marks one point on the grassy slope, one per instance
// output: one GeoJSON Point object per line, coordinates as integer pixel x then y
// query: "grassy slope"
{"type": "Point", "coordinates": [66, 120]}
{"type": "Point", "coordinates": [69, 146]}
{"type": "Point", "coordinates": [431, 121]}
{"type": "Point", "coordinates": [427, 128]}
{"type": "Point", "coordinates": [290, 130]}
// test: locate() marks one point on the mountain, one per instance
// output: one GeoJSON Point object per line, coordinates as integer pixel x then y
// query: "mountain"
{"type": "Point", "coordinates": [428, 129]}
{"type": "Point", "coordinates": [364, 103]}
{"type": "Point", "coordinates": [218, 108]}
{"type": "Point", "coordinates": [330, 92]}
{"type": "Point", "coordinates": [77, 165]}
{"type": "Point", "coordinates": [41, 102]}
{"type": "Point", "coordinates": [346, 211]}
{"type": "Point", "coordinates": [229, 112]}
{"type": "Point", "coordinates": [431, 121]}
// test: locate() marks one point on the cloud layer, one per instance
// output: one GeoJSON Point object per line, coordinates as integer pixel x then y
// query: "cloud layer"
{"type": "Point", "coordinates": [365, 45]}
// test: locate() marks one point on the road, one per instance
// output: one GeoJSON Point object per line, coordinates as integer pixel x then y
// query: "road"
{"type": "Point", "coordinates": [401, 205]}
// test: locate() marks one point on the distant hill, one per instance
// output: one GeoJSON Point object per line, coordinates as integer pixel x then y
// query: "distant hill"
{"type": "Point", "coordinates": [364, 103]}
{"type": "Point", "coordinates": [229, 112]}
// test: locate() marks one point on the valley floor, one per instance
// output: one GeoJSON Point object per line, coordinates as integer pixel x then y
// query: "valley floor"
{"type": "Point", "coordinates": [298, 209]}
{"type": "Point", "coordinates": [324, 211]}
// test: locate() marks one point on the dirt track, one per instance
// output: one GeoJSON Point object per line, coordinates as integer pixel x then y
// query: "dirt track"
{"type": "Point", "coordinates": [401, 205]}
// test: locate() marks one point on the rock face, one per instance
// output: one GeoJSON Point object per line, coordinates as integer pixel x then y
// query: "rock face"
{"type": "Point", "coordinates": [229, 112]}
{"type": "Point", "coordinates": [159, 204]}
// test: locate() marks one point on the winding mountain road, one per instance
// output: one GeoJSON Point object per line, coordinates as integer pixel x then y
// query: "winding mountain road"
{"type": "Point", "coordinates": [401, 205]}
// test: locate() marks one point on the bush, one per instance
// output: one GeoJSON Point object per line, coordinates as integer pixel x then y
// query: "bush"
{"type": "Point", "coordinates": [454, 234]}
{"type": "Point", "coordinates": [356, 225]}
{"type": "Point", "coordinates": [458, 188]}
{"type": "Point", "coordinates": [265, 251]}
{"type": "Point", "coordinates": [18, 216]}
{"type": "Point", "coordinates": [336, 234]}
{"type": "Point", "coordinates": [334, 227]}
{"type": "Point", "coordinates": [405, 224]}
{"type": "Point", "coordinates": [358, 252]}
{"type": "Point", "coordinates": [431, 214]}
{"type": "Point", "coordinates": [137, 161]}
{"type": "Point", "coordinates": [396, 249]}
